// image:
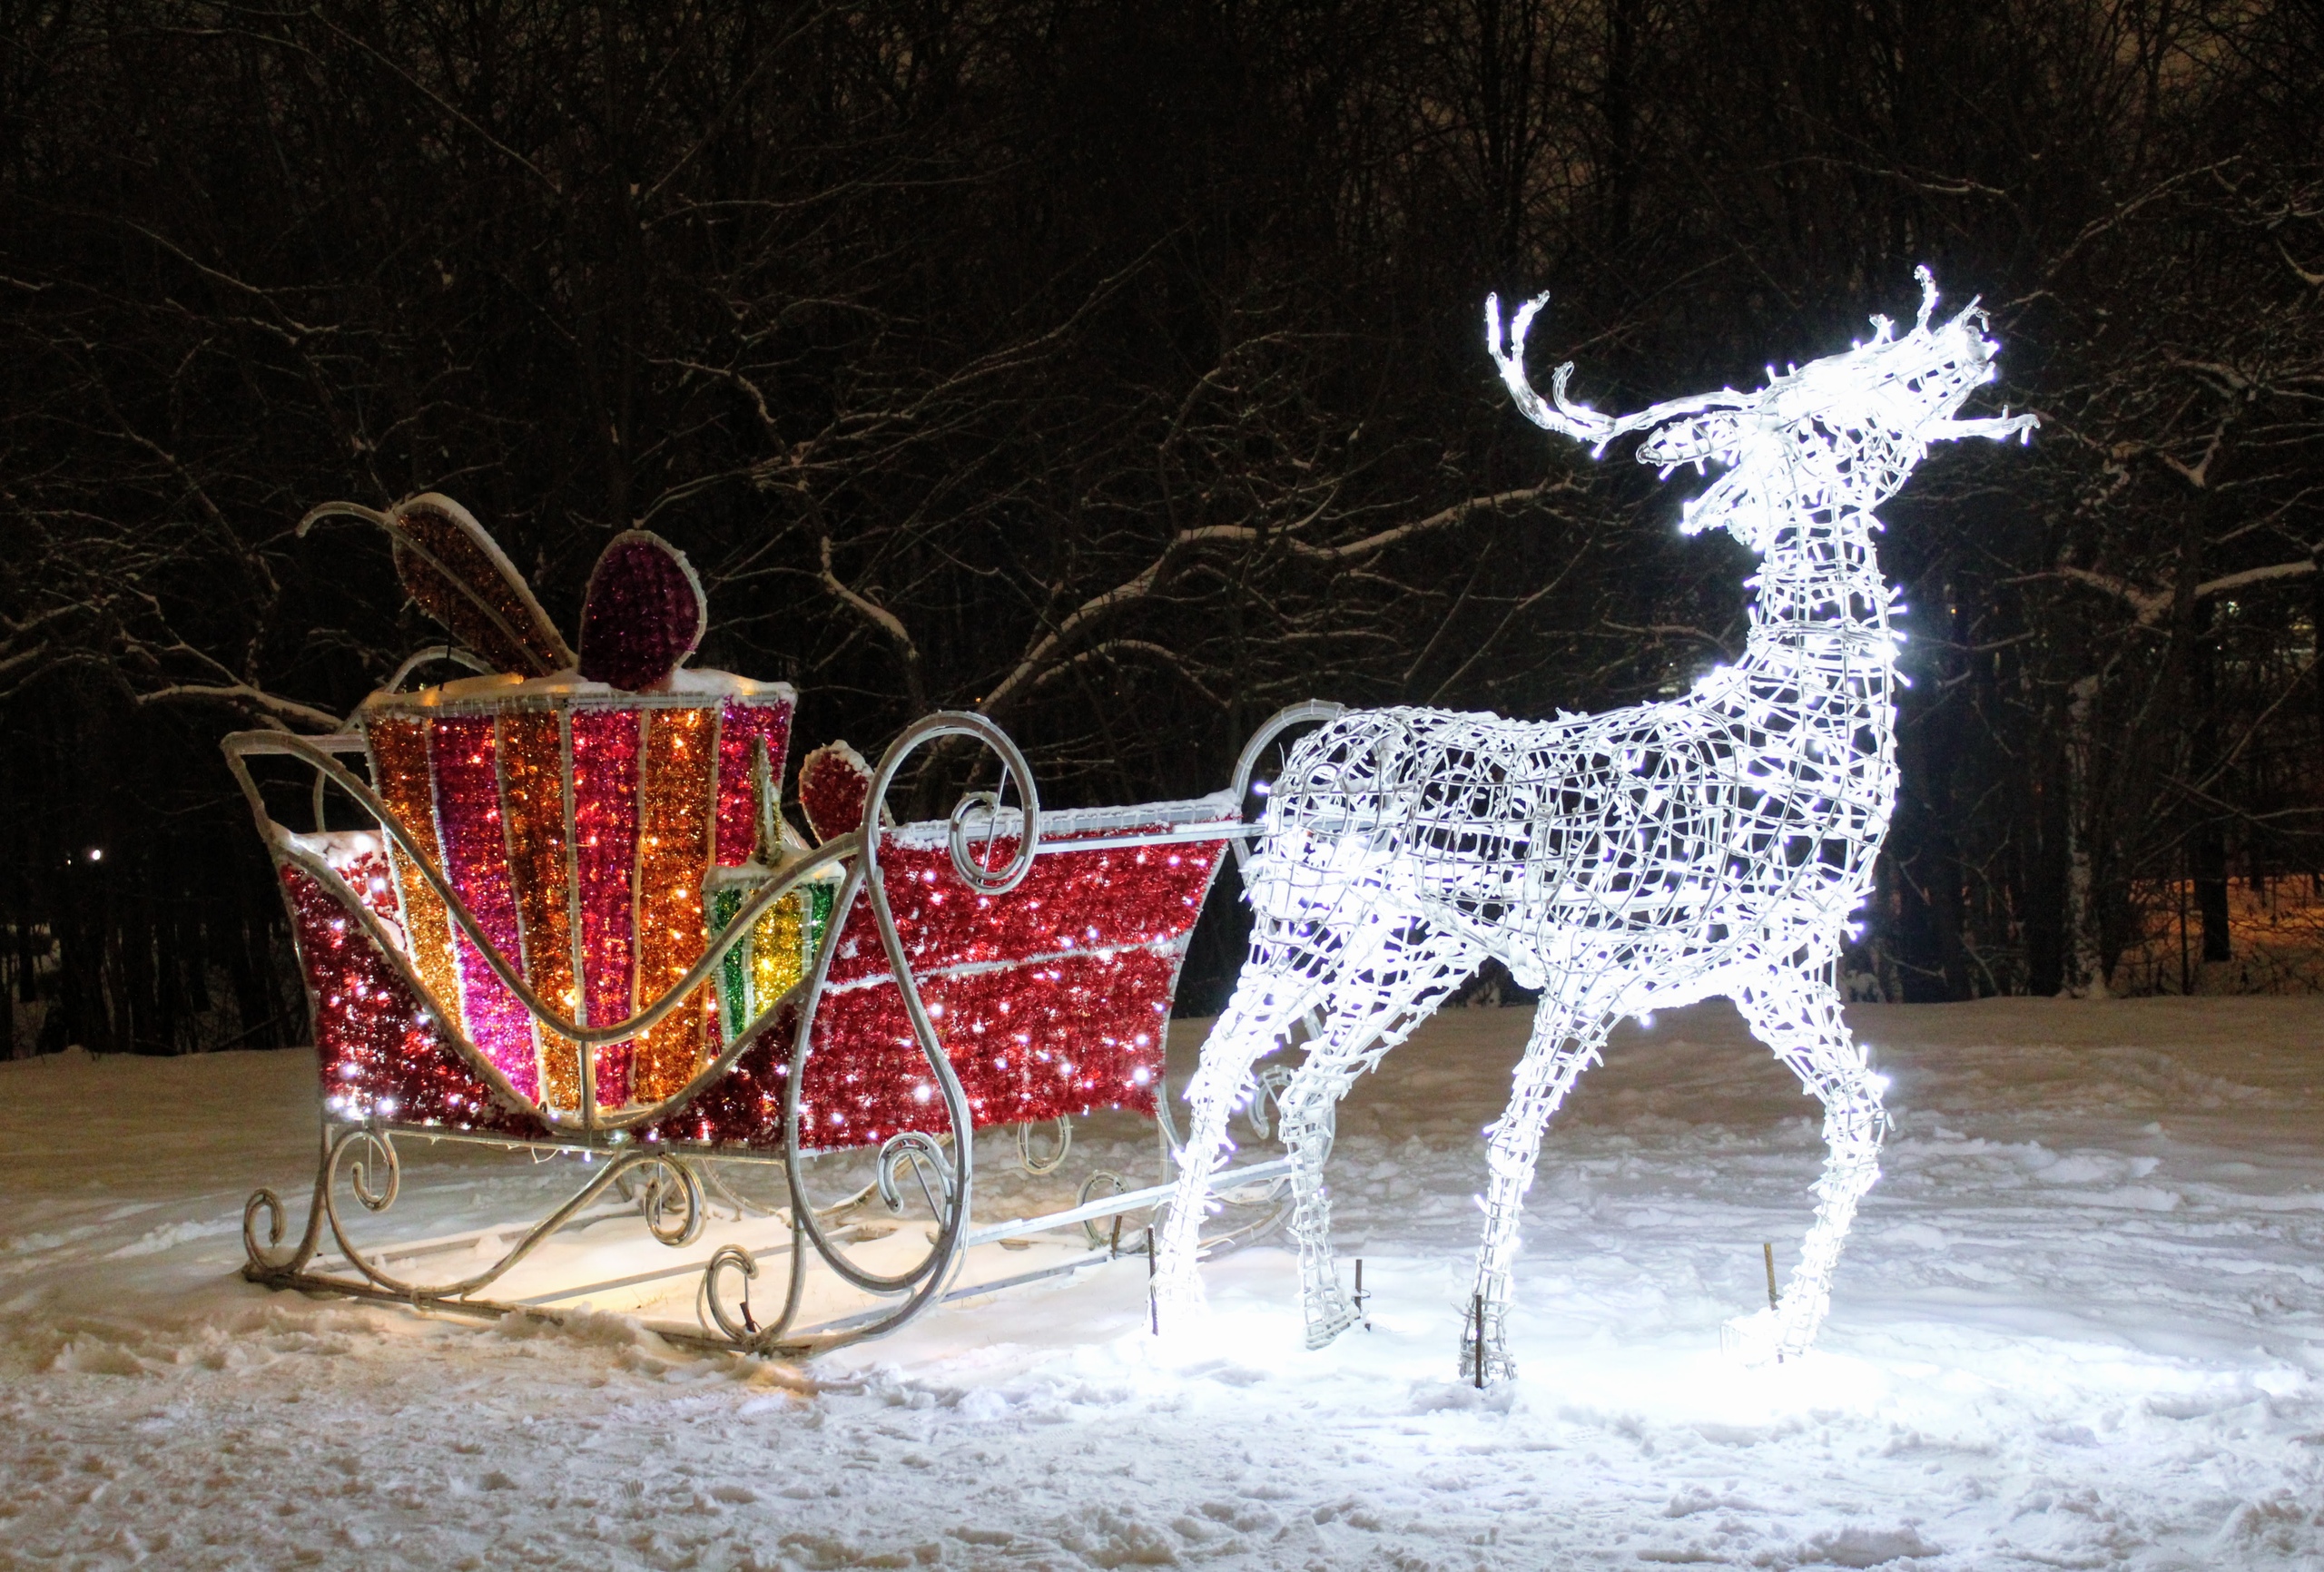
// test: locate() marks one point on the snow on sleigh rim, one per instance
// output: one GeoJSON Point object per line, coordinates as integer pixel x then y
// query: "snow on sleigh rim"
{"type": "Point", "coordinates": [492, 693]}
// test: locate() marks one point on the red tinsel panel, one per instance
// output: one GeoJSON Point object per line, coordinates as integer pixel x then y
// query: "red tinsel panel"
{"type": "Point", "coordinates": [1051, 999]}
{"type": "Point", "coordinates": [1034, 1041]}
{"type": "Point", "coordinates": [1070, 903]}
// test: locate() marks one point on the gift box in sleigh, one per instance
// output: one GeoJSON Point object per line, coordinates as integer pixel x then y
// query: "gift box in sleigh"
{"type": "Point", "coordinates": [574, 922]}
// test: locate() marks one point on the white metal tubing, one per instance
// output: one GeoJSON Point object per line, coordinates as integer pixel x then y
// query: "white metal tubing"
{"type": "Point", "coordinates": [1128, 1201]}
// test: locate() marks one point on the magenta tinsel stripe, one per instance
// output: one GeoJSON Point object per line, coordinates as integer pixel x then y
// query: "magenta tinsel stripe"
{"type": "Point", "coordinates": [739, 724]}
{"type": "Point", "coordinates": [605, 827]}
{"type": "Point", "coordinates": [476, 861]}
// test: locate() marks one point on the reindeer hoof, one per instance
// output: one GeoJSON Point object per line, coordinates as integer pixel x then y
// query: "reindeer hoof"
{"type": "Point", "coordinates": [1499, 1366]}
{"type": "Point", "coordinates": [1754, 1340]}
{"type": "Point", "coordinates": [1333, 1319]}
{"type": "Point", "coordinates": [1177, 1292]}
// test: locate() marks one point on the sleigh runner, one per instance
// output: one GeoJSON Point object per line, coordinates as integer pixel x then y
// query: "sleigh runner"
{"type": "Point", "coordinates": [579, 924]}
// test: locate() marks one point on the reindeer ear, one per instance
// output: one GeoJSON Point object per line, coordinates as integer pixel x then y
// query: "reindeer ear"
{"type": "Point", "coordinates": [645, 613]}
{"type": "Point", "coordinates": [458, 575]}
{"type": "Point", "coordinates": [1928, 296]}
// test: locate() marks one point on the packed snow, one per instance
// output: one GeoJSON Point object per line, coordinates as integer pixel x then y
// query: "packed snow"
{"type": "Point", "coordinates": [2080, 1323]}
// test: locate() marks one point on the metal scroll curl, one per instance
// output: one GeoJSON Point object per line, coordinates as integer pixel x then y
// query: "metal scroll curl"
{"type": "Point", "coordinates": [374, 1179]}
{"type": "Point", "coordinates": [260, 1263]}
{"type": "Point", "coordinates": [945, 1169]}
{"type": "Point", "coordinates": [1063, 1144]}
{"type": "Point", "coordinates": [672, 1201]}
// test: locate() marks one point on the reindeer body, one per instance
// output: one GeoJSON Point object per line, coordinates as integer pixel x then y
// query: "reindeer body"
{"type": "Point", "coordinates": [1643, 858]}
{"type": "Point", "coordinates": [1611, 844]}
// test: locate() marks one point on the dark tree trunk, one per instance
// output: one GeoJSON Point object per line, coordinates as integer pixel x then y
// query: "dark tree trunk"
{"type": "Point", "coordinates": [2207, 851]}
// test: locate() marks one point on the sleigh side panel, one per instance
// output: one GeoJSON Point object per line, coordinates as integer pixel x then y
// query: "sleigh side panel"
{"type": "Point", "coordinates": [1051, 999]}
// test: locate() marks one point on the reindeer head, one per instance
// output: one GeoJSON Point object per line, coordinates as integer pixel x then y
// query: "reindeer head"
{"type": "Point", "coordinates": [1839, 435]}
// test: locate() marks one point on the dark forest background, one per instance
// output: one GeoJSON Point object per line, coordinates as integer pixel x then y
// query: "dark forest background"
{"type": "Point", "coordinates": [1117, 370]}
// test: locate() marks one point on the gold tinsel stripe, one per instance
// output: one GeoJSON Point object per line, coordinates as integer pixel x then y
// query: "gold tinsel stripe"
{"type": "Point", "coordinates": [674, 850]}
{"type": "Point", "coordinates": [400, 766]}
{"type": "Point", "coordinates": [532, 812]}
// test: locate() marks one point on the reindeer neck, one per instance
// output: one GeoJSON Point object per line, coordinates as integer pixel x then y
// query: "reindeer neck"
{"type": "Point", "coordinates": [1820, 608]}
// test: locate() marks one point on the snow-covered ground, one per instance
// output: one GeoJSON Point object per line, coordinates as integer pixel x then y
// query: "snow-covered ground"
{"type": "Point", "coordinates": [2081, 1323]}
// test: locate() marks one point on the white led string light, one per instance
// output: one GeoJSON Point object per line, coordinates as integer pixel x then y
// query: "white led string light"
{"type": "Point", "coordinates": [1646, 857]}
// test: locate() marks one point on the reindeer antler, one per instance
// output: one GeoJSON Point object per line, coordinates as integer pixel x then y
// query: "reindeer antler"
{"type": "Point", "coordinates": [1557, 413]}
{"type": "Point", "coordinates": [1575, 420]}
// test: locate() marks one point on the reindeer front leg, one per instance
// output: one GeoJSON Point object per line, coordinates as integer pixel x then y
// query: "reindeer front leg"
{"type": "Point", "coordinates": [1797, 1013]}
{"type": "Point", "coordinates": [1568, 1034]}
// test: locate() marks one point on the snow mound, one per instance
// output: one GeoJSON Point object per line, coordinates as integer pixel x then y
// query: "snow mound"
{"type": "Point", "coordinates": [2080, 1323]}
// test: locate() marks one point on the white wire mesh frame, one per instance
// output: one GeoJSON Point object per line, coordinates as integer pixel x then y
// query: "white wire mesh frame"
{"type": "Point", "coordinates": [1717, 844]}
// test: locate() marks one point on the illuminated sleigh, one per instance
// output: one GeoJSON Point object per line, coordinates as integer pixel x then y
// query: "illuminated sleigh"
{"type": "Point", "coordinates": [580, 925]}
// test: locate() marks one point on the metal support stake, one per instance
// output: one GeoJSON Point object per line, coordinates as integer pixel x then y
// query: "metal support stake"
{"type": "Point", "coordinates": [1360, 1295]}
{"type": "Point", "coordinates": [1480, 1342]}
{"type": "Point", "coordinates": [1768, 1251]}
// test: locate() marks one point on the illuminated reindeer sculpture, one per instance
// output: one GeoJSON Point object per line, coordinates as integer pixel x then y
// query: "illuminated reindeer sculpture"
{"type": "Point", "coordinates": [1637, 859]}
